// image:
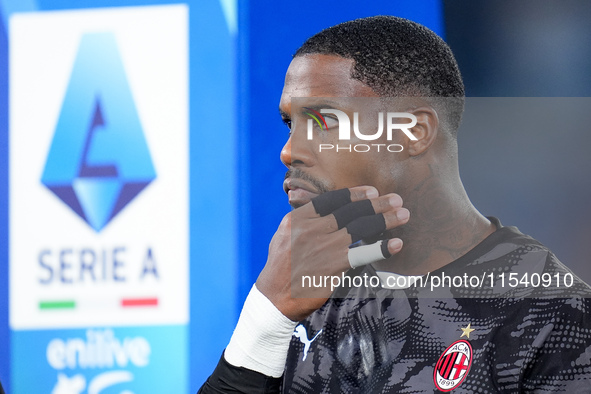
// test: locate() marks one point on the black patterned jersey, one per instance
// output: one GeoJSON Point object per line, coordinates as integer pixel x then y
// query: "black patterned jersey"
{"type": "Point", "coordinates": [510, 318]}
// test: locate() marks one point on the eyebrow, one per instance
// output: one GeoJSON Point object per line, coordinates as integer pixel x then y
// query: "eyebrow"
{"type": "Point", "coordinates": [283, 114]}
{"type": "Point", "coordinates": [316, 107]}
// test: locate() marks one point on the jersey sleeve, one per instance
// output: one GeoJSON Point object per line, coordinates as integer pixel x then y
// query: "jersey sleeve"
{"type": "Point", "coordinates": [233, 380]}
{"type": "Point", "coordinates": [561, 353]}
{"type": "Point", "coordinates": [254, 360]}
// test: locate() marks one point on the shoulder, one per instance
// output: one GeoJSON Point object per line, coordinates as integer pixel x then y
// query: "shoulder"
{"type": "Point", "coordinates": [512, 264]}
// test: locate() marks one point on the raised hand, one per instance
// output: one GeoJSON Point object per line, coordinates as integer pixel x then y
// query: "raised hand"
{"type": "Point", "coordinates": [314, 240]}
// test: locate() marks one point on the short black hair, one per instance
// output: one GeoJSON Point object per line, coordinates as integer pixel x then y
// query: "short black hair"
{"type": "Point", "coordinates": [396, 58]}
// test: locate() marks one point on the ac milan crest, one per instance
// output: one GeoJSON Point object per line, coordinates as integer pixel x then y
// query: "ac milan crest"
{"type": "Point", "coordinates": [453, 366]}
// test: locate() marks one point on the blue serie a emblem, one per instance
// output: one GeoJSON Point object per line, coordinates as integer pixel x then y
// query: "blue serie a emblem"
{"type": "Point", "coordinates": [99, 160]}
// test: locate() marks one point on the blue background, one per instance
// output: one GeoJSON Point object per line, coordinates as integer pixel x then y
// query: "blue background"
{"type": "Point", "coordinates": [504, 48]}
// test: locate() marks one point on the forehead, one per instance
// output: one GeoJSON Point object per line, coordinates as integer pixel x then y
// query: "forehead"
{"type": "Point", "coordinates": [321, 76]}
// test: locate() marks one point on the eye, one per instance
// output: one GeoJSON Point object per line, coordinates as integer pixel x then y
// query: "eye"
{"type": "Point", "coordinates": [287, 122]}
{"type": "Point", "coordinates": [331, 121]}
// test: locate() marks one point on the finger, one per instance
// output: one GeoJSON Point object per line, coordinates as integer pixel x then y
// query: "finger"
{"type": "Point", "coordinates": [396, 218]}
{"type": "Point", "coordinates": [370, 226]}
{"type": "Point", "coordinates": [367, 254]}
{"type": "Point", "coordinates": [366, 227]}
{"type": "Point", "coordinates": [348, 213]}
{"type": "Point", "coordinates": [327, 202]}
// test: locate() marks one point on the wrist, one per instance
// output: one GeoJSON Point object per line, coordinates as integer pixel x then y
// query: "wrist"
{"type": "Point", "coordinates": [261, 339]}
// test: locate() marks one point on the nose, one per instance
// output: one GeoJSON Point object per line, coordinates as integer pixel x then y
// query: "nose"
{"type": "Point", "coordinates": [285, 155]}
{"type": "Point", "coordinates": [297, 150]}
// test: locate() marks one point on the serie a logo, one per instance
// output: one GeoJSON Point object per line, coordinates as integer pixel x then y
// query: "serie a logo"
{"type": "Point", "coordinates": [99, 159]}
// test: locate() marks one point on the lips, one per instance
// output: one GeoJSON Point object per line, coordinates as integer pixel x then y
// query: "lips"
{"type": "Point", "coordinates": [299, 192]}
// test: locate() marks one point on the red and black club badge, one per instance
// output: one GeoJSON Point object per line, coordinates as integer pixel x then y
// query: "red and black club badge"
{"type": "Point", "coordinates": [453, 365]}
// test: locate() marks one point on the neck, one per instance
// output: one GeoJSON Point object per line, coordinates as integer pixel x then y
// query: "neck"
{"type": "Point", "coordinates": [443, 226]}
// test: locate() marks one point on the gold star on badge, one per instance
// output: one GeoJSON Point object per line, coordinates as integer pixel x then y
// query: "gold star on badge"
{"type": "Point", "coordinates": [466, 331]}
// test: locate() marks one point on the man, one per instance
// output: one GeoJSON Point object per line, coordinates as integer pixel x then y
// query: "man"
{"type": "Point", "coordinates": [391, 337]}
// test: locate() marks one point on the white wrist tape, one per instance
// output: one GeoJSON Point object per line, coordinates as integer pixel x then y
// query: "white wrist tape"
{"type": "Point", "coordinates": [261, 337]}
{"type": "Point", "coordinates": [367, 254]}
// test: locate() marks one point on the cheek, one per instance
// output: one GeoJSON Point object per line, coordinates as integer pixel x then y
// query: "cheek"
{"type": "Point", "coordinates": [345, 169]}
{"type": "Point", "coordinates": [383, 171]}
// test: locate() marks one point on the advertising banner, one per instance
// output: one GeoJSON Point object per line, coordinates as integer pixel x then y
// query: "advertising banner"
{"type": "Point", "coordinates": [99, 265]}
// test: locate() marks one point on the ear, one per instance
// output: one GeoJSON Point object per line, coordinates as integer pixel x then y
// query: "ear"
{"type": "Point", "coordinates": [425, 130]}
